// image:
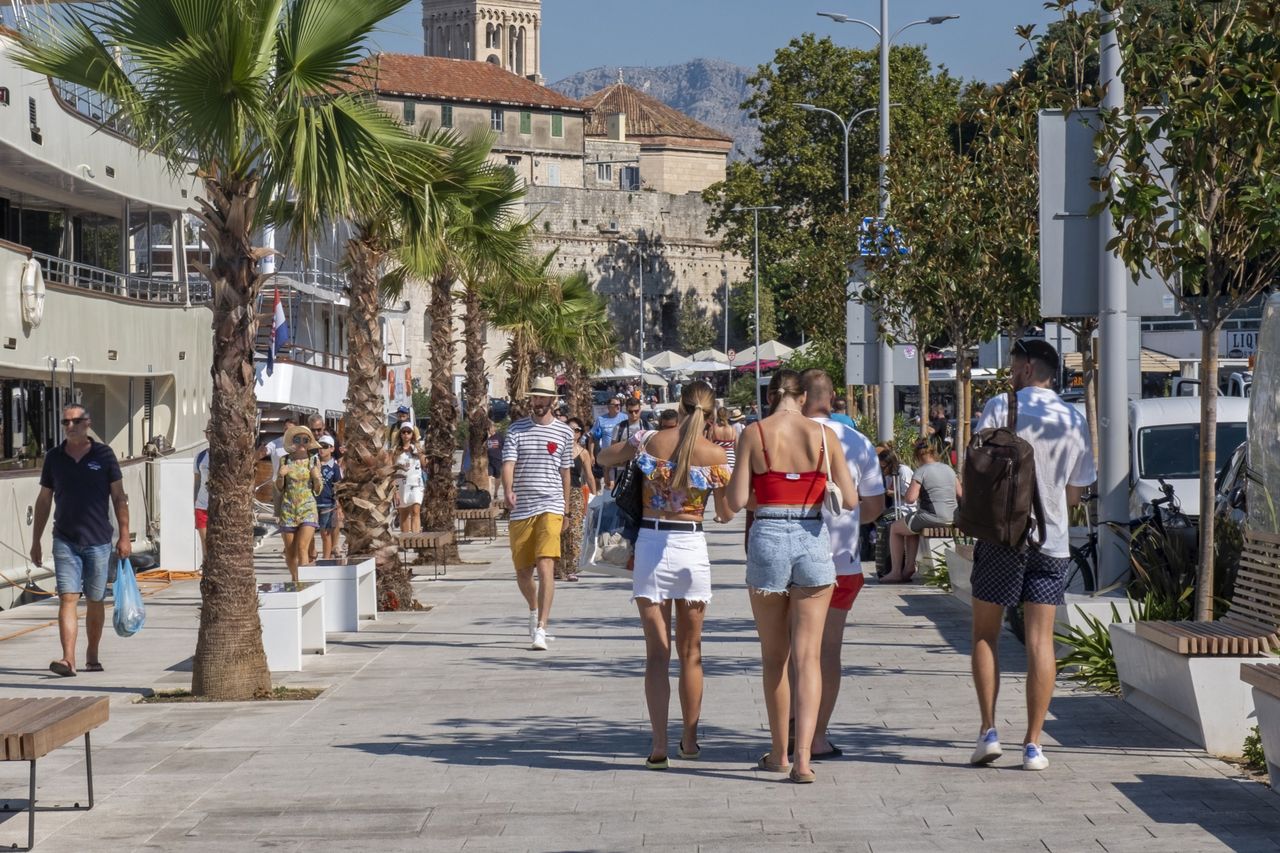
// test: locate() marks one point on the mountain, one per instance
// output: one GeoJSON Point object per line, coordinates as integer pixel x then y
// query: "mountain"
{"type": "Point", "coordinates": [709, 90]}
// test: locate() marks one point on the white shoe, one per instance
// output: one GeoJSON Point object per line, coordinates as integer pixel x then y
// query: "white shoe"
{"type": "Point", "coordinates": [539, 643]}
{"type": "Point", "coordinates": [533, 624]}
{"type": "Point", "coordinates": [988, 748]}
{"type": "Point", "coordinates": [1033, 757]}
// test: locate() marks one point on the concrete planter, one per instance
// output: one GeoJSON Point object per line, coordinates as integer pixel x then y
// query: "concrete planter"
{"type": "Point", "coordinates": [1269, 726]}
{"type": "Point", "coordinates": [1200, 698]}
{"type": "Point", "coordinates": [960, 564]}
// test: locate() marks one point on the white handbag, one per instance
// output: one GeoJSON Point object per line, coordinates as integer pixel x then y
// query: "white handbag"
{"type": "Point", "coordinates": [833, 499]}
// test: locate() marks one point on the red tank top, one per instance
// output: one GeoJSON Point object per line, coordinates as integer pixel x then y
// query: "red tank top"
{"type": "Point", "coordinates": [775, 488]}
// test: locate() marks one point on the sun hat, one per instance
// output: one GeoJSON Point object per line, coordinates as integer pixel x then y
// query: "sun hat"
{"type": "Point", "coordinates": [327, 441]}
{"type": "Point", "coordinates": [294, 431]}
{"type": "Point", "coordinates": [543, 386]}
{"type": "Point", "coordinates": [735, 414]}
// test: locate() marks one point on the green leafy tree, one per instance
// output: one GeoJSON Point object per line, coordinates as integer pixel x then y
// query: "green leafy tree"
{"type": "Point", "coordinates": [742, 313]}
{"type": "Point", "coordinates": [693, 327]}
{"type": "Point", "coordinates": [257, 97]}
{"type": "Point", "coordinates": [1208, 223]}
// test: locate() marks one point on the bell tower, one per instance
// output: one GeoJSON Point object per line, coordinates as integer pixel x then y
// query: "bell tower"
{"type": "Point", "coordinates": [504, 32]}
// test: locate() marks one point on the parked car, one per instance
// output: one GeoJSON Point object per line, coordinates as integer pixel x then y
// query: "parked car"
{"type": "Point", "coordinates": [1164, 437]}
{"type": "Point", "coordinates": [1231, 503]}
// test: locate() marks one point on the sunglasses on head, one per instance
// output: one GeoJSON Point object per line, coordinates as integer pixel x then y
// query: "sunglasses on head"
{"type": "Point", "coordinates": [72, 421]}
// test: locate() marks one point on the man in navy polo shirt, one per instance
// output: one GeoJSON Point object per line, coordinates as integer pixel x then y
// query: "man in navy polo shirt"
{"type": "Point", "coordinates": [81, 475]}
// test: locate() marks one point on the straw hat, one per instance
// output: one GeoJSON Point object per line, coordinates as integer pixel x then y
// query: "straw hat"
{"type": "Point", "coordinates": [294, 431]}
{"type": "Point", "coordinates": [543, 386]}
{"type": "Point", "coordinates": [735, 415]}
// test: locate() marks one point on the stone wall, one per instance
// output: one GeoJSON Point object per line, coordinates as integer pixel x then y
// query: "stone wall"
{"type": "Point", "coordinates": [675, 171]}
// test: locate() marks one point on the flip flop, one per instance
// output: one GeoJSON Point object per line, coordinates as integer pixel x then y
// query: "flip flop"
{"type": "Point", "coordinates": [652, 763]}
{"type": "Point", "coordinates": [62, 668]}
{"type": "Point", "coordinates": [766, 762]}
{"type": "Point", "coordinates": [689, 754]}
{"type": "Point", "coordinates": [833, 752]}
{"type": "Point", "coordinates": [801, 778]}
{"type": "Point", "coordinates": [93, 666]}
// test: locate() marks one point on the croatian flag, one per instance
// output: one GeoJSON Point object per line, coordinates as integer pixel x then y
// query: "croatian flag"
{"type": "Point", "coordinates": [279, 332]}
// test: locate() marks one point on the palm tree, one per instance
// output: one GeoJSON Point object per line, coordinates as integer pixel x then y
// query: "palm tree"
{"type": "Point", "coordinates": [480, 237]}
{"type": "Point", "coordinates": [255, 96]}
{"type": "Point", "coordinates": [396, 225]}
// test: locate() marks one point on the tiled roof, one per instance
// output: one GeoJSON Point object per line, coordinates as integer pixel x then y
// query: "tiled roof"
{"type": "Point", "coordinates": [403, 74]}
{"type": "Point", "coordinates": [646, 116]}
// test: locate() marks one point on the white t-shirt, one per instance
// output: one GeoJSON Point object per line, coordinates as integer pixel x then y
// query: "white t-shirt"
{"type": "Point", "coordinates": [540, 452]}
{"type": "Point", "coordinates": [409, 468]}
{"type": "Point", "coordinates": [202, 468]}
{"type": "Point", "coordinates": [1059, 436]}
{"type": "Point", "coordinates": [276, 452]}
{"type": "Point", "coordinates": [864, 468]}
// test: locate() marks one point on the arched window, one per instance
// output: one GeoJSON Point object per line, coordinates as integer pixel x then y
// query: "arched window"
{"type": "Point", "coordinates": [488, 36]}
{"type": "Point", "coordinates": [441, 47]}
{"type": "Point", "coordinates": [520, 53]}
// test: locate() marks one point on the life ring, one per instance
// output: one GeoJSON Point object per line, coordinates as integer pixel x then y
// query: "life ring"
{"type": "Point", "coordinates": [32, 293]}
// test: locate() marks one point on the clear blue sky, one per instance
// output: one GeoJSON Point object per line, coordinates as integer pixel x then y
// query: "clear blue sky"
{"type": "Point", "coordinates": [581, 34]}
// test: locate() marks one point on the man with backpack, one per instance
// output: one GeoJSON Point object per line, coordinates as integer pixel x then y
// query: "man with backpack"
{"type": "Point", "coordinates": [1029, 460]}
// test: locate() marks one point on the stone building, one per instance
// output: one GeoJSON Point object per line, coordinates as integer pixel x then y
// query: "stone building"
{"type": "Point", "coordinates": [509, 30]}
{"type": "Point", "coordinates": [613, 181]}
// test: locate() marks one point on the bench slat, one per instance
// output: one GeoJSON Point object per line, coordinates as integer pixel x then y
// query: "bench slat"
{"type": "Point", "coordinates": [1264, 676]}
{"type": "Point", "coordinates": [43, 725]}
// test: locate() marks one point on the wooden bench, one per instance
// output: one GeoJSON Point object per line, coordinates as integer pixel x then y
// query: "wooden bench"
{"type": "Point", "coordinates": [926, 553]}
{"type": "Point", "coordinates": [32, 728]}
{"type": "Point", "coordinates": [433, 541]}
{"type": "Point", "coordinates": [1251, 626]}
{"type": "Point", "coordinates": [489, 515]}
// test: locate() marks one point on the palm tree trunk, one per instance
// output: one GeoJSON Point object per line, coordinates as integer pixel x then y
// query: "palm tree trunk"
{"type": "Point", "coordinates": [475, 388]}
{"type": "Point", "coordinates": [229, 662]}
{"type": "Point", "coordinates": [519, 372]}
{"type": "Point", "coordinates": [579, 397]}
{"type": "Point", "coordinates": [439, 506]}
{"type": "Point", "coordinates": [365, 490]}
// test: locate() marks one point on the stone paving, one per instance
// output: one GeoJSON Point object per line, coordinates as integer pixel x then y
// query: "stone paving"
{"type": "Point", "coordinates": [440, 731]}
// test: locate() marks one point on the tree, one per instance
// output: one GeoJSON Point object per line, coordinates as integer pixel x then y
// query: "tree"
{"type": "Point", "coordinates": [693, 328]}
{"type": "Point", "coordinates": [1208, 222]}
{"type": "Point", "coordinates": [254, 95]}
{"type": "Point", "coordinates": [479, 237]}
{"type": "Point", "coordinates": [399, 224]}
{"type": "Point", "coordinates": [742, 311]}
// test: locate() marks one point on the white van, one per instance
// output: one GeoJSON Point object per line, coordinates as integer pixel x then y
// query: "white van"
{"type": "Point", "coordinates": [1164, 442]}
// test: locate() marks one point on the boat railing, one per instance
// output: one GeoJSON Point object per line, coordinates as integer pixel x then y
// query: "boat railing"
{"type": "Point", "coordinates": [129, 286]}
{"type": "Point", "coordinates": [95, 106]}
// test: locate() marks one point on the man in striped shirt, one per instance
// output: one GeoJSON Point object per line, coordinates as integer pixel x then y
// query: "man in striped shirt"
{"type": "Point", "coordinates": [536, 461]}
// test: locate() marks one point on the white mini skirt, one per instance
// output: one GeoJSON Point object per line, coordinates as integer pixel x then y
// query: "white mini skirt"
{"type": "Point", "coordinates": [671, 565]}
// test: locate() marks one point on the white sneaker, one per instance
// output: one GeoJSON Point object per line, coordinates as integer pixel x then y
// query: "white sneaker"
{"type": "Point", "coordinates": [988, 748]}
{"type": "Point", "coordinates": [533, 624]}
{"type": "Point", "coordinates": [1033, 757]}
{"type": "Point", "coordinates": [539, 643]}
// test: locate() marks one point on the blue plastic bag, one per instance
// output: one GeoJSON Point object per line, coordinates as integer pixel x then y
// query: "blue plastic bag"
{"type": "Point", "coordinates": [129, 612]}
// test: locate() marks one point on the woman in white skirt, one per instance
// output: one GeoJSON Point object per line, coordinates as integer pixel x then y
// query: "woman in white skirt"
{"type": "Point", "coordinates": [682, 469]}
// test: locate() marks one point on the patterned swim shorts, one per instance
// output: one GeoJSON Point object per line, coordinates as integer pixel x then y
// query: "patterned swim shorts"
{"type": "Point", "coordinates": [1004, 576]}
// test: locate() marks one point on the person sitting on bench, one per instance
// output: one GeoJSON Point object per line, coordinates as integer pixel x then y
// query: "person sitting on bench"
{"type": "Point", "coordinates": [934, 488]}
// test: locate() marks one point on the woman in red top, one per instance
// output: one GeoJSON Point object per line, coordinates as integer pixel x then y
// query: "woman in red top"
{"type": "Point", "coordinates": [783, 466]}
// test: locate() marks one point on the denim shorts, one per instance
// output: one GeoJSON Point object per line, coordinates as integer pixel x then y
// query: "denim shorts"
{"type": "Point", "coordinates": [788, 548]}
{"type": "Point", "coordinates": [328, 517]}
{"type": "Point", "coordinates": [81, 568]}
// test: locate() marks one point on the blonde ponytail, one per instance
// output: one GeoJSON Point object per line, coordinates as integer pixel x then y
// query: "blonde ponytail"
{"type": "Point", "coordinates": [697, 402]}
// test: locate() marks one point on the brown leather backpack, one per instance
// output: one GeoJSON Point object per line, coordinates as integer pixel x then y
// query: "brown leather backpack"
{"type": "Point", "coordinates": [1001, 500]}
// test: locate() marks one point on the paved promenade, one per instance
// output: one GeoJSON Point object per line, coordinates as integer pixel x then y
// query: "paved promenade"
{"type": "Point", "coordinates": [440, 731]}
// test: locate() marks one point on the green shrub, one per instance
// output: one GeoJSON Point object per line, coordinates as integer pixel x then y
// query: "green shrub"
{"type": "Point", "coordinates": [939, 574]}
{"type": "Point", "coordinates": [1091, 661]}
{"type": "Point", "coordinates": [1254, 758]}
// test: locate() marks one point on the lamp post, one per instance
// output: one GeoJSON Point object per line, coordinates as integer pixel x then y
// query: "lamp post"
{"type": "Point", "coordinates": [847, 126]}
{"type": "Point", "coordinates": [640, 249]}
{"type": "Point", "coordinates": [755, 212]}
{"type": "Point", "coordinates": [724, 276]}
{"type": "Point", "coordinates": [886, 39]}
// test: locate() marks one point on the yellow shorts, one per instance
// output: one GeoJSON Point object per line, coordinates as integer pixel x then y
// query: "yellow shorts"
{"type": "Point", "coordinates": [533, 538]}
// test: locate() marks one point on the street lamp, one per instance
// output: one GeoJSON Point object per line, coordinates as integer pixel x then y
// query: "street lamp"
{"type": "Point", "coordinates": [724, 276]}
{"type": "Point", "coordinates": [755, 211]}
{"type": "Point", "coordinates": [886, 39]}
{"type": "Point", "coordinates": [848, 126]}
{"type": "Point", "coordinates": [640, 249]}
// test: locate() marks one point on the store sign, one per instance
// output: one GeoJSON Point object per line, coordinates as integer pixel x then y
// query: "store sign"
{"type": "Point", "coordinates": [1239, 344]}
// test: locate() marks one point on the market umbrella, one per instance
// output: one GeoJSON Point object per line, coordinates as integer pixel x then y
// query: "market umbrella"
{"type": "Point", "coordinates": [666, 360]}
{"type": "Point", "coordinates": [765, 364]}
{"type": "Point", "coordinates": [710, 355]}
{"type": "Point", "coordinates": [772, 351]}
{"type": "Point", "coordinates": [707, 366]}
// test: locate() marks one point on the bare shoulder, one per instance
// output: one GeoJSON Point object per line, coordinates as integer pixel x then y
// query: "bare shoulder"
{"type": "Point", "coordinates": [708, 453]}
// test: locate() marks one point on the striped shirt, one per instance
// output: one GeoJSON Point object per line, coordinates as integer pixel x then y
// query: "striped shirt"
{"type": "Point", "coordinates": [540, 452]}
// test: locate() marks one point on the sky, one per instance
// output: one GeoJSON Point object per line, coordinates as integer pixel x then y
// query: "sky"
{"type": "Point", "coordinates": [582, 34]}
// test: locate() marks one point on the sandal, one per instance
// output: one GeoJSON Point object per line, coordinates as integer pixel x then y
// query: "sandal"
{"type": "Point", "coordinates": [572, 577]}
{"type": "Point", "coordinates": [766, 762]}
{"type": "Point", "coordinates": [689, 754]}
{"type": "Point", "coordinates": [62, 668]}
{"type": "Point", "coordinates": [801, 778]}
{"type": "Point", "coordinates": [652, 763]}
{"type": "Point", "coordinates": [833, 752]}
{"type": "Point", "coordinates": [93, 666]}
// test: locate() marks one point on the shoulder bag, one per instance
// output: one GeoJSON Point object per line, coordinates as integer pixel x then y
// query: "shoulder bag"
{"type": "Point", "coordinates": [833, 499]}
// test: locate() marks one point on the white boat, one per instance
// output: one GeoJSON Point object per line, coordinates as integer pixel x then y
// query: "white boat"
{"type": "Point", "coordinates": [97, 307]}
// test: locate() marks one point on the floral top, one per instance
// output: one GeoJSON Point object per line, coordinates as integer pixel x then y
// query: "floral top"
{"type": "Point", "coordinates": [298, 504]}
{"type": "Point", "coordinates": [658, 493]}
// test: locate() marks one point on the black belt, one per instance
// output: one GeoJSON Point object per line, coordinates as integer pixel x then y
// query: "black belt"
{"type": "Point", "coordinates": [682, 526]}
